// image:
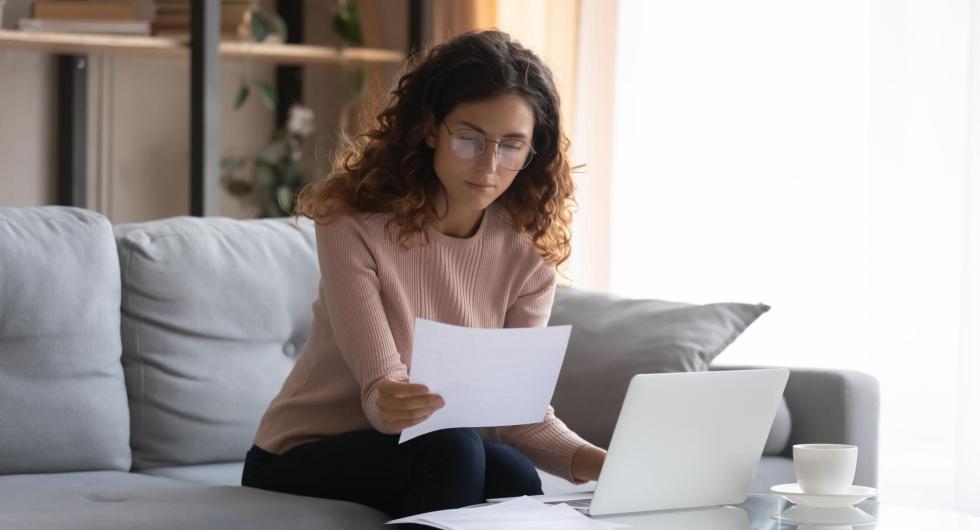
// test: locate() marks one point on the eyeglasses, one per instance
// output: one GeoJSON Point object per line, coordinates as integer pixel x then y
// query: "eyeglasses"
{"type": "Point", "coordinates": [511, 154]}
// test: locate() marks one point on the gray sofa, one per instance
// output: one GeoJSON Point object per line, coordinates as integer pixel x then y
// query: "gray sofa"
{"type": "Point", "coordinates": [136, 360]}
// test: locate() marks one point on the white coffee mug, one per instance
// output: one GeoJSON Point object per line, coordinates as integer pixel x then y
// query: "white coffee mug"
{"type": "Point", "coordinates": [824, 469]}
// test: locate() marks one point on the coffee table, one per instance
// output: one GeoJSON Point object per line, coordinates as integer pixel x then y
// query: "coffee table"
{"type": "Point", "coordinates": [762, 512]}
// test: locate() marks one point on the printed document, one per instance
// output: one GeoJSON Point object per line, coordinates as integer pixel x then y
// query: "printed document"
{"type": "Point", "coordinates": [487, 377]}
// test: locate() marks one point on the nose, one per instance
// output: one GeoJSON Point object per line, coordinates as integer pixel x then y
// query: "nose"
{"type": "Point", "coordinates": [488, 158]}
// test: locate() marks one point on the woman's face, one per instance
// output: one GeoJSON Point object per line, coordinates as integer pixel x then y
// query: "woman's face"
{"type": "Point", "coordinates": [473, 184]}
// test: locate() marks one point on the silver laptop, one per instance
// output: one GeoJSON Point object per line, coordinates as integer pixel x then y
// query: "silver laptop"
{"type": "Point", "coordinates": [684, 440]}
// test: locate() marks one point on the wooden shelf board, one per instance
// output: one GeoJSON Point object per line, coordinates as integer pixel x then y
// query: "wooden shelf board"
{"type": "Point", "coordinates": [79, 44]}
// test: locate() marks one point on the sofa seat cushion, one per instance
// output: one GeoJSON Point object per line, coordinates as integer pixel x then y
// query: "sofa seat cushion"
{"type": "Point", "coordinates": [223, 474]}
{"type": "Point", "coordinates": [62, 394]}
{"type": "Point", "coordinates": [115, 500]}
{"type": "Point", "coordinates": [214, 312]}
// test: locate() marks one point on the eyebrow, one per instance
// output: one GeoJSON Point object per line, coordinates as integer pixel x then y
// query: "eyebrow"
{"type": "Point", "coordinates": [510, 135]}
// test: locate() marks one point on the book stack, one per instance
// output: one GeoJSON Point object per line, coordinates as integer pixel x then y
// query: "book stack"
{"type": "Point", "coordinates": [174, 16]}
{"type": "Point", "coordinates": [114, 17]}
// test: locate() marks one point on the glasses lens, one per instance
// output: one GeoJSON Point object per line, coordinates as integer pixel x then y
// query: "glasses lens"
{"type": "Point", "coordinates": [467, 144]}
{"type": "Point", "coordinates": [514, 155]}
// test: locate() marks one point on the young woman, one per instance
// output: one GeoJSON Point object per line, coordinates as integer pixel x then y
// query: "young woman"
{"type": "Point", "coordinates": [455, 208]}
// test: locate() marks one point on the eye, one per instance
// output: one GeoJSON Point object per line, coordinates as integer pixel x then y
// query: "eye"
{"type": "Point", "coordinates": [513, 145]}
{"type": "Point", "coordinates": [469, 134]}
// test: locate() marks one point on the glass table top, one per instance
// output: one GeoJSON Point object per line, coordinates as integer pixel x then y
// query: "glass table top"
{"type": "Point", "coordinates": [772, 512]}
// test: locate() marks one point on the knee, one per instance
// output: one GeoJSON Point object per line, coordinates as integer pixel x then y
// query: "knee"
{"type": "Point", "coordinates": [528, 482]}
{"type": "Point", "coordinates": [460, 448]}
{"type": "Point", "coordinates": [510, 473]}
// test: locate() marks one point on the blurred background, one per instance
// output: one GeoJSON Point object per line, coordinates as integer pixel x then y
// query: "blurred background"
{"type": "Point", "coordinates": [819, 157]}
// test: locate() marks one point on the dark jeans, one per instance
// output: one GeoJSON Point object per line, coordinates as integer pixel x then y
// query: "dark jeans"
{"type": "Point", "coordinates": [450, 468]}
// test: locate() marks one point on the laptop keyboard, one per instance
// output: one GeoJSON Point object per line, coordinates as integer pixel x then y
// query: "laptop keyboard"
{"type": "Point", "coordinates": [577, 503]}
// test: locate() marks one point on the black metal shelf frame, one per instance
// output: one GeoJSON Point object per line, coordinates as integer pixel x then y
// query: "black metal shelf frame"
{"type": "Point", "coordinates": [205, 107]}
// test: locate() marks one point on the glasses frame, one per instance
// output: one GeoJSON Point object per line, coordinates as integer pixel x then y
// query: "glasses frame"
{"type": "Point", "coordinates": [496, 149]}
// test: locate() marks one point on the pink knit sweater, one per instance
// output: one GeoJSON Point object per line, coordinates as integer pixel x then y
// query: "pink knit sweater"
{"type": "Point", "coordinates": [371, 291]}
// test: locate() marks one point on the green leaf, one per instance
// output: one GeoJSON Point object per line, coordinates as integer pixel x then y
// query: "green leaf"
{"type": "Point", "coordinates": [269, 96]}
{"type": "Point", "coordinates": [347, 24]}
{"type": "Point", "coordinates": [359, 79]}
{"type": "Point", "coordinates": [279, 27]}
{"type": "Point", "coordinates": [273, 153]}
{"type": "Point", "coordinates": [232, 163]}
{"type": "Point", "coordinates": [242, 94]}
{"type": "Point", "coordinates": [284, 196]}
{"type": "Point", "coordinates": [258, 26]}
{"type": "Point", "coordinates": [265, 175]}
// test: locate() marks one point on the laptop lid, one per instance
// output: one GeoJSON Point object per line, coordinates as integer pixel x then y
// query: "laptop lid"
{"type": "Point", "coordinates": [687, 440]}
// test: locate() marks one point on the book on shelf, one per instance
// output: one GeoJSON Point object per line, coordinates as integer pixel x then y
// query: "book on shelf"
{"type": "Point", "coordinates": [229, 15]}
{"type": "Point", "coordinates": [173, 17]}
{"type": "Point", "coordinates": [111, 27]}
{"type": "Point", "coordinates": [99, 10]}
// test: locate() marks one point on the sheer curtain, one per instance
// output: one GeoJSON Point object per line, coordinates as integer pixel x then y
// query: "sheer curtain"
{"type": "Point", "coordinates": [818, 157]}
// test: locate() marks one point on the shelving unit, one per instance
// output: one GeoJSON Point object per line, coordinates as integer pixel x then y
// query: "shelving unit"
{"type": "Point", "coordinates": [204, 49]}
{"type": "Point", "coordinates": [295, 54]}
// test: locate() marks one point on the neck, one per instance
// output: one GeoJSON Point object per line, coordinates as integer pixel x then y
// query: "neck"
{"type": "Point", "coordinates": [457, 222]}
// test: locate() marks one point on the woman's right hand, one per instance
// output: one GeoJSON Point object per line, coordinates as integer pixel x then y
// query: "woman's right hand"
{"type": "Point", "coordinates": [403, 404]}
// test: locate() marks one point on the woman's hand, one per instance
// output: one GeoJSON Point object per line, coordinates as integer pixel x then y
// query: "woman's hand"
{"type": "Point", "coordinates": [587, 462]}
{"type": "Point", "coordinates": [403, 404]}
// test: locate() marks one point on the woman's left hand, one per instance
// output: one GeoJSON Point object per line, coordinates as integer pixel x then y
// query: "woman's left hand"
{"type": "Point", "coordinates": [587, 462]}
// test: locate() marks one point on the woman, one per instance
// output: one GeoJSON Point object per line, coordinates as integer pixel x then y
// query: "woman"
{"type": "Point", "coordinates": [455, 208]}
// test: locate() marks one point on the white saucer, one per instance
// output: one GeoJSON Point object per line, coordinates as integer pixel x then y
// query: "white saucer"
{"type": "Point", "coordinates": [852, 496]}
{"type": "Point", "coordinates": [808, 516]}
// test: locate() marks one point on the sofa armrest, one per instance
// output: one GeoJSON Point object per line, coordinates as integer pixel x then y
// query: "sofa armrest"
{"type": "Point", "coordinates": [834, 406]}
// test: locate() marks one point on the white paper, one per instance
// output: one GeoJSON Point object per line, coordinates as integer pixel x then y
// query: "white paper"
{"type": "Point", "coordinates": [487, 377]}
{"type": "Point", "coordinates": [521, 513]}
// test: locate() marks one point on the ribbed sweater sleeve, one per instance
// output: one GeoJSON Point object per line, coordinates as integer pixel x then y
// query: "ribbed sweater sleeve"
{"type": "Point", "coordinates": [350, 288]}
{"type": "Point", "coordinates": [550, 444]}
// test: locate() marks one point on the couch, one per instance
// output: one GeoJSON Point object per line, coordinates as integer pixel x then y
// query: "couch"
{"type": "Point", "coordinates": [137, 359]}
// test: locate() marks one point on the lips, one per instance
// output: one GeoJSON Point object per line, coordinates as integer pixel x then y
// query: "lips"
{"type": "Point", "coordinates": [484, 187]}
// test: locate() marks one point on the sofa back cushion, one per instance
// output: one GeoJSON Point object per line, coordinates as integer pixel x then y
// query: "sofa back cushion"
{"type": "Point", "coordinates": [615, 338]}
{"type": "Point", "coordinates": [62, 395]}
{"type": "Point", "coordinates": [214, 311]}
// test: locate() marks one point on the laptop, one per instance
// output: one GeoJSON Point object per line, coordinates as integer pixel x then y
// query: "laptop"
{"type": "Point", "coordinates": [684, 440]}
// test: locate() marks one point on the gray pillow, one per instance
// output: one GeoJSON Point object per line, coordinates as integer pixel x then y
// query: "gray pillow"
{"type": "Point", "coordinates": [615, 338]}
{"type": "Point", "coordinates": [62, 395]}
{"type": "Point", "coordinates": [214, 312]}
{"type": "Point", "coordinates": [781, 428]}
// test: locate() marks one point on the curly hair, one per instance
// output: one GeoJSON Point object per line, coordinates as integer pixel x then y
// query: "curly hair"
{"type": "Point", "coordinates": [389, 168]}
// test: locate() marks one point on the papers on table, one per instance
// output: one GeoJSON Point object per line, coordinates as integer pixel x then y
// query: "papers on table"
{"type": "Point", "coordinates": [487, 377]}
{"type": "Point", "coordinates": [520, 513]}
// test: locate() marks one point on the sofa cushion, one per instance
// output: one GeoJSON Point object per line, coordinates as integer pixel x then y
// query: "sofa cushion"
{"type": "Point", "coordinates": [772, 470]}
{"type": "Point", "coordinates": [116, 500]}
{"type": "Point", "coordinates": [225, 474]}
{"type": "Point", "coordinates": [782, 426]}
{"type": "Point", "coordinates": [62, 394]}
{"type": "Point", "coordinates": [214, 312]}
{"type": "Point", "coordinates": [615, 338]}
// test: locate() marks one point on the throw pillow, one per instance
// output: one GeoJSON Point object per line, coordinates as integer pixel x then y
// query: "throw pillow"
{"type": "Point", "coordinates": [614, 338]}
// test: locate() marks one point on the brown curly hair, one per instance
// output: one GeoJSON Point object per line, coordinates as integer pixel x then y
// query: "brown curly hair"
{"type": "Point", "coordinates": [389, 169]}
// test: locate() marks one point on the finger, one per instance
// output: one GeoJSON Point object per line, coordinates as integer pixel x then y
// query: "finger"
{"type": "Point", "coordinates": [399, 389]}
{"type": "Point", "coordinates": [412, 402]}
{"type": "Point", "coordinates": [402, 414]}
{"type": "Point", "coordinates": [400, 425]}
{"type": "Point", "coordinates": [401, 386]}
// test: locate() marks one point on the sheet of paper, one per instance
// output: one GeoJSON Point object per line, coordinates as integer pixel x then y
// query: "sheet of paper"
{"type": "Point", "coordinates": [487, 377]}
{"type": "Point", "coordinates": [520, 513]}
